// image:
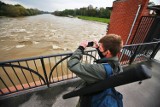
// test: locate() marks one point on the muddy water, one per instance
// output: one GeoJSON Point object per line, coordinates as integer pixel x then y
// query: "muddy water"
{"type": "Point", "coordinates": [44, 35]}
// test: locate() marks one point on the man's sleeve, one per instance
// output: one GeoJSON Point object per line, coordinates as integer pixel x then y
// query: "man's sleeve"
{"type": "Point", "coordinates": [88, 72]}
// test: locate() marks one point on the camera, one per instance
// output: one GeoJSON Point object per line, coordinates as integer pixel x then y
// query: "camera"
{"type": "Point", "coordinates": [90, 44]}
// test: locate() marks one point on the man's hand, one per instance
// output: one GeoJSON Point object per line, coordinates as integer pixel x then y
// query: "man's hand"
{"type": "Point", "coordinates": [96, 45]}
{"type": "Point", "coordinates": [84, 44]}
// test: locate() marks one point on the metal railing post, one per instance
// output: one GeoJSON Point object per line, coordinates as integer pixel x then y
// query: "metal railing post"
{"type": "Point", "coordinates": [155, 50]}
{"type": "Point", "coordinates": [44, 70]}
{"type": "Point", "coordinates": [134, 55]}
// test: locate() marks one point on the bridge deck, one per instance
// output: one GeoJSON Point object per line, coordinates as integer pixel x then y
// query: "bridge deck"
{"type": "Point", "coordinates": [146, 94]}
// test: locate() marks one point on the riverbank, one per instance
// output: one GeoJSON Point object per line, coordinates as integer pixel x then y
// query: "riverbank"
{"type": "Point", "coordinates": [17, 10]}
{"type": "Point", "coordinates": [103, 20]}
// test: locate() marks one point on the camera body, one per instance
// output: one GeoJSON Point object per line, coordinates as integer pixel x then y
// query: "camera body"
{"type": "Point", "coordinates": [90, 44]}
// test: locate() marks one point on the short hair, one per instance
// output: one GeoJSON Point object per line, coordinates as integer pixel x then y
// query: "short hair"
{"type": "Point", "coordinates": [112, 42]}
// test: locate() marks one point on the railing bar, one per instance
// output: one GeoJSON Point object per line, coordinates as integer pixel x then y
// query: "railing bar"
{"type": "Point", "coordinates": [34, 58]}
{"type": "Point", "coordinates": [62, 68]}
{"type": "Point", "coordinates": [67, 69]}
{"type": "Point", "coordinates": [149, 24]}
{"type": "Point", "coordinates": [5, 85]}
{"type": "Point", "coordinates": [37, 71]}
{"type": "Point", "coordinates": [123, 56]}
{"type": "Point", "coordinates": [50, 67]}
{"type": "Point", "coordinates": [10, 78]}
{"type": "Point", "coordinates": [24, 74]}
{"type": "Point", "coordinates": [39, 57]}
{"type": "Point", "coordinates": [82, 59]}
{"type": "Point", "coordinates": [86, 58]}
{"type": "Point", "coordinates": [138, 55]}
{"type": "Point", "coordinates": [142, 44]}
{"type": "Point", "coordinates": [1, 92]}
{"type": "Point", "coordinates": [90, 58]}
{"type": "Point", "coordinates": [136, 51]}
{"type": "Point", "coordinates": [81, 62]}
{"type": "Point", "coordinates": [145, 52]}
{"type": "Point", "coordinates": [142, 35]}
{"type": "Point", "coordinates": [133, 50]}
{"type": "Point", "coordinates": [139, 33]}
{"type": "Point", "coordinates": [55, 55]}
{"type": "Point", "coordinates": [96, 54]}
{"type": "Point", "coordinates": [140, 58]}
{"type": "Point", "coordinates": [17, 76]}
{"type": "Point", "coordinates": [144, 30]}
{"type": "Point", "coordinates": [56, 69]}
{"type": "Point", "coordinates": [129, 53]}
{"type": "Point", "coordinates": [31, 73]}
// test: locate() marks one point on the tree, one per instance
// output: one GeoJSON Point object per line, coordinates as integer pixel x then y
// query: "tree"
{"type": "Point", "coordinates": [16, 10]}
{"type": "Point", "coordinates": [86, 11]}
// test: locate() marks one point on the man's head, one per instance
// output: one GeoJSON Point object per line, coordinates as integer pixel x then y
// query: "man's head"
{"type": "Point", "coordinates": [111, 43]}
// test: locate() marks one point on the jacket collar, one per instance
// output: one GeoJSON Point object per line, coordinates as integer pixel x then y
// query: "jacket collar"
{"type": "Point", "coordinates": [105, 60]}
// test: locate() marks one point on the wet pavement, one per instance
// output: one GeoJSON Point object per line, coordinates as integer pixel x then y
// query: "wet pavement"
{"type": "Point", "coordinates": [49, 97]}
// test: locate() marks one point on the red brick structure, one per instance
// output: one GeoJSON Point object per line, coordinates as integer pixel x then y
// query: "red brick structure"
{"type": "Point", "coordinates": [123, 15]}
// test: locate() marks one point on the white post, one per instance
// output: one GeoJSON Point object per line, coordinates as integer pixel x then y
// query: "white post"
{"type": "Point", "coordinates": [139, 7]}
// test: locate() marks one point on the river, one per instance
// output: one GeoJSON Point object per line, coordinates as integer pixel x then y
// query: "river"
{"type": "Point", "coordinates": [45, 34]}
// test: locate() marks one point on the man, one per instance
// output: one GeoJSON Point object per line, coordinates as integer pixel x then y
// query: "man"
{"type": "Point", "coordinates": [108, 48]}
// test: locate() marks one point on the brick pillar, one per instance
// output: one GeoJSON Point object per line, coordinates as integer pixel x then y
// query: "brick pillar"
{"type": "Point", "coordinates": [123, 15]}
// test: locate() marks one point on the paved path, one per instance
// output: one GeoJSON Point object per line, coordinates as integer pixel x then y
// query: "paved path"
{"type": "Point", "coordinates": [146, 94]}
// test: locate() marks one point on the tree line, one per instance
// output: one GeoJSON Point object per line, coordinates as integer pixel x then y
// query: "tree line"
{"type": "Point", "coordinates": [17, 10]}
{"type": "Point", "coordinates": [86, 11]}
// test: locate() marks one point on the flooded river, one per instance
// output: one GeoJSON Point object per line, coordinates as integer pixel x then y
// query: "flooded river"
{"type": "Point", "coordinates": [44, 35]}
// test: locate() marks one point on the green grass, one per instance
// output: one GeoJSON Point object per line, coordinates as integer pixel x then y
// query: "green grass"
{"type": "Point", "coordinates": [104, 20]}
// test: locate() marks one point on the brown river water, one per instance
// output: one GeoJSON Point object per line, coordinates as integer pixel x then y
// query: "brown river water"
{"type": "Point", "coordinates": [44, 35]}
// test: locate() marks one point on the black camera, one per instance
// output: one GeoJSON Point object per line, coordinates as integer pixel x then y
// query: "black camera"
{"type": "Point", "coordinates": [90, 44]}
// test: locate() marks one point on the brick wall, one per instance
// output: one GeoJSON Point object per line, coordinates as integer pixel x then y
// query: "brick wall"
{"type": "Point", "coordinates": [122, 17]}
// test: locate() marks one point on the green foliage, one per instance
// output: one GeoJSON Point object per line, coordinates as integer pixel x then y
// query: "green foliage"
{"type": "Point", "coordinates": [104, 20]}
{"type": "Point", "coordinates": [16, 10]}
{"type": "Point", "coordinates": [86, 11]}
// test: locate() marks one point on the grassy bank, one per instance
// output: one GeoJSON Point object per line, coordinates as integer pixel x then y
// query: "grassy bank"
{"type": "Point", "coordinates": [104, 20]}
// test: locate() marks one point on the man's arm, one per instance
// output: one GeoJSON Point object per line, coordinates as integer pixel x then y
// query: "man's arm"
{"type": "Point", "coordinates": [88, 72]}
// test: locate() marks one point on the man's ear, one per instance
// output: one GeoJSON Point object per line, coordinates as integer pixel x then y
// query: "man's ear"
{"type": "Point", "coordinates": [107, 53]}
